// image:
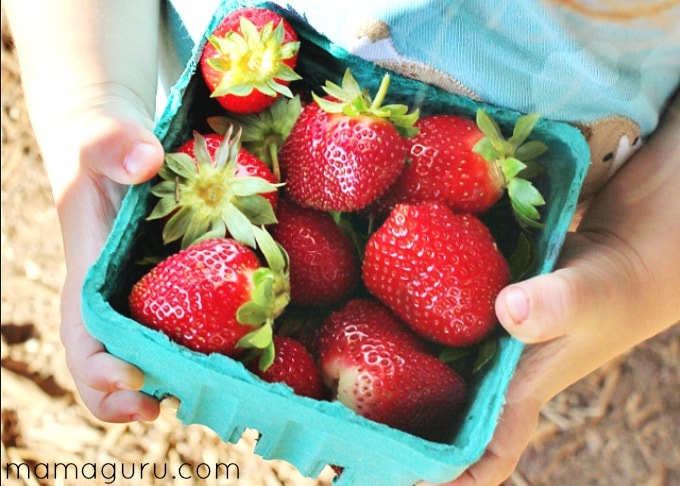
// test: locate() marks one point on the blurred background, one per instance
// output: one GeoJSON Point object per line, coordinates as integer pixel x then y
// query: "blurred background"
{"type": "Point", "coordinates": [619, 426]}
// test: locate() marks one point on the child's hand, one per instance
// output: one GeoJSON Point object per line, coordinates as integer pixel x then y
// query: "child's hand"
{"type": "Point", "coordinates": [114, 148]}
{"type": "Point", "coordinates": [617, 284]}
{"type": "Point", "coordinates": [89, 72]}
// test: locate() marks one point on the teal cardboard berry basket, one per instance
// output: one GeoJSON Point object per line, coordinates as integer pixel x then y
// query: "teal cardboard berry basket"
{"type": "Point", "coordinates": [220, 393]}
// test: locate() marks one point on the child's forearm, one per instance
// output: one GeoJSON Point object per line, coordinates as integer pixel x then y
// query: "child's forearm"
{"type": "Point", "coordinates": [73, 52]}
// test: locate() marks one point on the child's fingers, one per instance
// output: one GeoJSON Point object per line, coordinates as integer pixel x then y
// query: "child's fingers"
{"type": "Point", "coordinates": [106, 384]}
{"type": "Point", "coordinates": [503, 454]}
{"type": "Point", "coordinates": [544, 307]}
{"type": "Point", "coordinates": [592, 287]}
{"type": "Point", "coordinates": [105, 372]}
{"type": "Point", "coordinates": [120, 149]}
{"type": "Point", "coordinates": [120, 406]}
{"type": "Point", "coordinates": [90, 364]}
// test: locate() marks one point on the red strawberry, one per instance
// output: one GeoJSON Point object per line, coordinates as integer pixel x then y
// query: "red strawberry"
{"type": "Point", "coordinates": [264, 132]}
{"type": "Point", "coordinates": [310, 337]}
{"type": "Point", "coordinates": [324, 264]}
{"type": "Point", "coordinates": [294, 366]}
{"type": "Point", "coordinates": [249, 60]}
{"type": "Point", "coordinates": [211, 187]}
{"type": "Point", "coordinates": [438, 271]}
{"type": "Point", "coordinates": [303, 323]}
{"type": "Point", "coordinates": [345, 149]}
{"type": "Point", "coordinates": [468, 166]}
{"type": "Point", "coordinates": [379, 369]}
{"type": "Point", "coordinates": [213, 297]}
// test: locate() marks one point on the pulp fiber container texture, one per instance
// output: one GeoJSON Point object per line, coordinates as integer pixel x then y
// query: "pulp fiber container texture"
{"type": "Point", "coordinates": [220, 393]}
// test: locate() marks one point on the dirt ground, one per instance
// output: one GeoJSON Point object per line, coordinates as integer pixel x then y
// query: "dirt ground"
{"type": "Point", "coordinates": [619, 426]}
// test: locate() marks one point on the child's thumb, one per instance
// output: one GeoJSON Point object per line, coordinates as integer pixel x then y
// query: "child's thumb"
{"type": "Point", "coordinates": [122, 149]}
{"type": "Point", "coordinates": [548, 306]}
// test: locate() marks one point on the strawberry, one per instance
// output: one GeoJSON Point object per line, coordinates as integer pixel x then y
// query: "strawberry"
{"type": "Point", "coordinates": [324, 264]}
{"type": "Point", "coordinates": [214, 297]}
{"type": "Point", "coordinates": [345, 149]}
{"type": "Point", "coordinates": [310, 337]}
{"type": "Point", "coordinates": [211, 187]}
{"type": "Point", "coordinates": [378, 368]}
{"type": "Point", "coordinates": [468, 166]}
{"type": "Point", "coordinates": [249, 60]}
{"type": "Point", "coordinates": [294, 366]}
{"type": "Point", "coordinates": [438, 271]}
{"type": "Point", "coordinates": [264, 132]}
{"type": "Point", "coordinates": [303, 323]}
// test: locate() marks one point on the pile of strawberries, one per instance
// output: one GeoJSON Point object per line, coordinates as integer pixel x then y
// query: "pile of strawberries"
{"type": "Point", "coordinates": [331, 241]}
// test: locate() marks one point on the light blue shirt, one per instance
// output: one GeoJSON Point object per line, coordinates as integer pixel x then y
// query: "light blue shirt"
{"type": "Point", "coordinates": [611, 77]}
{"type": "Point", "coordinates": [527, 55]}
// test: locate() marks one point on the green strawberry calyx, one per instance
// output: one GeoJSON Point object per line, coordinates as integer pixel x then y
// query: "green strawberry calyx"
{"type": "Point", "coordinates": [204, 198]}
{"type": "Point", "coordinates": [268, 299]}
{"type": "Point", "coordinates": [263, 133]}
{"type": "Point", "coordinates": [513, 159]}
{"type": "Point", "coordinates": [353, 101]}
{"type": "Point", "coordinates": [254, 59]}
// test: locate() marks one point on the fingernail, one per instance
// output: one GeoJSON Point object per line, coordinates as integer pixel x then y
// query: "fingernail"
{"type": "Point", "coordinates": [138, 157]}
{"type": "Point", "coordinates": [120, 385]}
{"type": "Point", "coordinates": [517, 303]}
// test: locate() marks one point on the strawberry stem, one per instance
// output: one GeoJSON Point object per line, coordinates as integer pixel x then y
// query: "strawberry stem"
{"type": "Point", "coordinates": [503, 154]}
{"type": "Point", "coordinates": [265, 132]}
{"type": "Point", "coordinates": [350, 100]}
{"type": "Point", "coordinates": [274, 159]}
{"type": "Point", "coordinates": [382, 92]}
{"type": "Point", "coordinates": [202, 197]}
